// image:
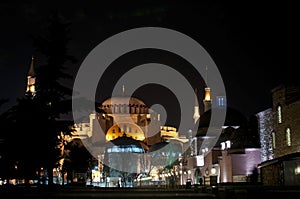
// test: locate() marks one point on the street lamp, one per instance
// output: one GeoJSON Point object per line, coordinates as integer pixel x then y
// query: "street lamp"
{"type": "Point", "coordinates": [213, 176]}
{"type": "Point", "coordinates": [213, 171]}
{"type": "Point", "coordinates": [180, 172]}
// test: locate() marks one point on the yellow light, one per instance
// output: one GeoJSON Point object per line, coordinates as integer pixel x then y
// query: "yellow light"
{"type": "Point", "coordinates": [297, 170]}
{"type": "Point", "coordinates": [207, 94]}
{"type": "Point", "coordinates": [32, 88]}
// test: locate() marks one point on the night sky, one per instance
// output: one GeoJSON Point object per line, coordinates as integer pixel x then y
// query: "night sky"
{"type": "Point", "coordinates": [253, 44]}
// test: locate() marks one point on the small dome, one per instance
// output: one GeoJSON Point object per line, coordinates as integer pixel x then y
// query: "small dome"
{"type": "Point", "coordinates": [124, 145]}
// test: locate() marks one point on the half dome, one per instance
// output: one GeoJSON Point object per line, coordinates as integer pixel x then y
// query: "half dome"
{"type": "Point", "coordinates": [125, 128]}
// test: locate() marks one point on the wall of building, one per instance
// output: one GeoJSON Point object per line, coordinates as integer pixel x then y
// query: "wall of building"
{"type": "Point", "coordinates": [225, 167]}
{"type": "Point", "coordinates": [266, 128]}
{"type": "Point", "coordinates": [270, 175]}
{"type": "Point", "coordinates": [280, 152]}
{"type": "Point", "coordinates": [244, 164]}
{"type": "Point", "coordinates": [290, 119]}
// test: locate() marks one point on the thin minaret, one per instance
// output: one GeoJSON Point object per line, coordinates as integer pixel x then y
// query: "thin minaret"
{"type": "Point", "coordinates": [30, 90]}
{"type": "Point", "coordinates": [196, 115]}
{"type": "Point", "coordinates": [123, 90]}
{"type": "Point", "coordinates": [207, 96]}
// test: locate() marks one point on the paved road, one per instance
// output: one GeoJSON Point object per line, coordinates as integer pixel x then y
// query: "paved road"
{"type": "Point", "coordinates": [80, 193]}
{"type": "Point", "coordinates": [220, 192]}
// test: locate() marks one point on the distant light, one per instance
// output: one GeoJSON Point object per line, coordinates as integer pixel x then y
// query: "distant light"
{"type": "Point", "coordinates": [297, 170]}
{"type": "Point", "coordinates": [223, 146]}
{"type": "Point", "coordinates": [213, 171]}
{"type": "Point", "coordinates": [228, 144]}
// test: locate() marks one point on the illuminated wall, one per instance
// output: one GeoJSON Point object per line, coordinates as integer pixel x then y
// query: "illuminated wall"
{"type": "Point", "coordinates": [266, 129]}
{"type": "Point", "coordinates": [279, 131]}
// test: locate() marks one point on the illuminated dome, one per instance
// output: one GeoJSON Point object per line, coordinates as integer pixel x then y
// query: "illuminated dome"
{"type": "Point", "coordinates": [124, 144]}
{"type": "Point", "coordinates": [130, 129]}
{"type": "Point", "coordinates": [124, 104]}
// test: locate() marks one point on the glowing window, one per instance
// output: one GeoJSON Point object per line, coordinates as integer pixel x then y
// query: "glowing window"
{"type": "Point", "coordinates": [223, 146]}
{"type": "Point", "coordinates": [228, 144]}
{"type": "Point", "coordinates": [279, 114]}
{"type": "Point", "coordinates": [221, 101]}
{"type": "Point", "coordinates": [288, 136]}
{"type": "Point", "coordinates": [273, 140]}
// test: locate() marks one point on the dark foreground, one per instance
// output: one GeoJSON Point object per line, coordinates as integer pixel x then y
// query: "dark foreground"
{"type": "Point", "coordinates": [219, 192]}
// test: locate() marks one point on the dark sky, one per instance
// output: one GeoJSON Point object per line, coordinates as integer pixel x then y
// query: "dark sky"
{"type": "Point", "coordinates": [254, 44]}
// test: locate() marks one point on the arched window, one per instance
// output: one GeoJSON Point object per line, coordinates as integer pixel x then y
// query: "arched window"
{"type": "Point", "coordinates": [288, 136]}
{"type": "Point", "coordinates": [279, 114]}
{"type": "Point", "coordinates": [273, 140]}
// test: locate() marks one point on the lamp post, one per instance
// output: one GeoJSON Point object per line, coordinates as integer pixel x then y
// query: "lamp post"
{"type": "Point", "coordinates": [213, 176]}
{"type": "Point", "coordinates": [213, 171]}
{"type": "Point", "coordinates": [180, 172]}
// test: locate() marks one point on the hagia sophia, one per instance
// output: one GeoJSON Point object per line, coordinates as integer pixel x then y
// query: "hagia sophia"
{"type": "Point", "coordinates": [131, 134]}
{"type": "Point", "coordinates": [131, 154]}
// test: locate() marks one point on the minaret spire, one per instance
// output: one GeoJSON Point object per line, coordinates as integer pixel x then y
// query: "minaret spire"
{"type": "Point", "coordinates": [123, 90]}
{"type": "Point", "coordinates": [31, 71]}
{"type": "Point", "coordinates": [196, 115]}
{"type": "Point", "coordinates": [206, 75]}
{"type": "Point", "coordinates": [30, 91]}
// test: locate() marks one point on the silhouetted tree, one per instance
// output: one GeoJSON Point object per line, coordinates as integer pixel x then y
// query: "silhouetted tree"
{"type": "Point", "coordinates": [53, 96]}
{"type": "Point", "coordinates": [36, 136]}
{"type": "Point", "coordinates": [6, 124]}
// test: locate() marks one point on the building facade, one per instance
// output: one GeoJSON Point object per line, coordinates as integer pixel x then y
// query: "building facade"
{"type": "Point", "coordinates": [127, 133]}
{"type": "Point", "coordinates": [280, 138]}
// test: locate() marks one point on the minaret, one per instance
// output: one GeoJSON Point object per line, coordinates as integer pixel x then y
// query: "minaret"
{"type": "Point", "coordinates": [123, 90]}
{"type": "Point", "coordinates": [196, 115]}
{"type": "Point", "coordinates": [207, 97]}
{"type": "Point", "coordinates": [30, 91]}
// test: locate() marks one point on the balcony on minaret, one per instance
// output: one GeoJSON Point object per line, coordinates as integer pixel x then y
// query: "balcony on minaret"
{"type": "Point", "coordinates": [30, 90]}
{"type": "Point", "coordinates": [30, 85]}
{"type": "Point", "coordinates": [196, 115]}
{"type": "Point", "coordinates": [207, 100]}
{"type": "Point", "coordinates": [207, 94]}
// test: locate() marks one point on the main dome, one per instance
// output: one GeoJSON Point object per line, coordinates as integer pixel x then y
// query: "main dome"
{"type": "Point", "coordinates": [123, 100]}
{"type": "Point", "coordinates": [124, 104]}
